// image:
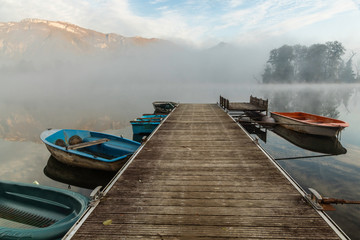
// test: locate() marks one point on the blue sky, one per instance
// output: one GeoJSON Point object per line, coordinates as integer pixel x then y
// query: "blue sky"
{"type": "Point", "coordinates": [205, 22]}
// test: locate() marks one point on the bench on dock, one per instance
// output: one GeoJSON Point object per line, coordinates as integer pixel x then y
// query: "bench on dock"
{"type": "Point", "coordinates": [87, 144]}
{"type": "Point", "coordinates": [255, 104]}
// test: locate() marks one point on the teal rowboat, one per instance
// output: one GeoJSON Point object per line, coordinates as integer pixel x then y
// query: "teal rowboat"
{"type": "Point", "coordinates": [147, 123]}
{"type": "Point", "coordinates": [30, 211]}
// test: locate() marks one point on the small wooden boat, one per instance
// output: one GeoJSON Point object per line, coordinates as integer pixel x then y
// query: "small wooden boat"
{"type": "Point", "coordinates": [309, 123]}
{"type": "Point", "coordinates": [146, 124]}
{"type": "Point", "coordinates": [89, 149]}
{"type": "Point", "coordinates": [164, 106]}
{"type": "Point", "coordinates": [320, 144]}
{"type": "Point", "coordinates": [30, 211]}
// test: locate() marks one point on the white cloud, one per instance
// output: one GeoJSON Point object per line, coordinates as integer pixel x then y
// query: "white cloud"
{"type": "Point", "coordinates": [235, 3]}
{"type": "Point", "coordinates": [196, 21]}
{"type": "Point", "coordinates": [277, 18]}
{"type": "Point", "coordinates": [158, 1]}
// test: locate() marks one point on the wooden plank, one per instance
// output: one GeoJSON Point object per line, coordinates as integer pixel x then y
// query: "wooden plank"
{"type": "Point", "coordinates": [209, 195]}
{"type": "Point", "coordinates": [246, 221]}
{"type": "Point", "coordinates": [201, 231]}
{"type": "Point", "coordinates": [237, 106]}
{"type": "Point", "coordinates": [201, 177]}
{"type": "Point", "coordinates": [226, 203]}
{"type": "Point", "coordinates": [87, 144]}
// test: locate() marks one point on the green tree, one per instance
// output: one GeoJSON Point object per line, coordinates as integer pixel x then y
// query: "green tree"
{"type": "Point", "coordinates": [313, 70]}
{"type": "Point", "coordinates": [267, 76]}
{"type": "Point", "coordinates": [281, 63]}
{"type": "Point", "coordinates": [333, 61]}
{"type": "Point", "coordinates": [299, 64]}
{"type": "Point", "coordinates": [347, 73]}
{"type": "Point", "coordinates": [314, 64]}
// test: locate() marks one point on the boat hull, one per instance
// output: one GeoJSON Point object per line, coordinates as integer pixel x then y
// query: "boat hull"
{"type": "Point", "coordinates": [144, 127]}
{"type": "Point", "coordinates": [84, 162]}
{"type": "Point", "coordinates": [323, 129]}
{"type": "Point", "coordinates": [30, 211]}
{"type": "Point", "coordinates": [147, 123]}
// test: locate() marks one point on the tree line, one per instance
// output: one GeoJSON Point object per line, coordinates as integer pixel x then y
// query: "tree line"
{"type": "Point", "coordinates": [319, 63]}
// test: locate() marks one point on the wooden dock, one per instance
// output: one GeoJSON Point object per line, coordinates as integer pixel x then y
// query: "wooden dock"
{"type": "Point", "coordinates": [254, 105]}
{"type": "Point", "coordinates": [200, 176]}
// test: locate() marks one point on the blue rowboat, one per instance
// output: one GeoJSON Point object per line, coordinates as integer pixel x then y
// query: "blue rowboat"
{"type": "Point", "coordinates": [148, 119]}
{"type": "Point", "coordinates": [154, 116]}
{"type": "Point", "coordinates": [140, 126]}
{"type": "Point", "coordinates": [147, 123]}
{"type": "Point", "coordinates": [29, 211]}
{"type": "Point", "coordinates": [89, 149]}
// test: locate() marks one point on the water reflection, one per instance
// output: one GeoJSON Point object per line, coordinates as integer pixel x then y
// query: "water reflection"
{"type": "Point", "coordinates": [320, 144]}
{"type": "Point", "coordinates": [140, 137]}
{"type": "Point", "coordinates": [76, 176]}
{"type": "Point", "coordinates": [255, 129]}
{"type": "Point", "coordinates": [334, 176]}
{"type": "Point", "coordinates": [336, 173]}
{"type": "Point", "coordinates": [321, 101]}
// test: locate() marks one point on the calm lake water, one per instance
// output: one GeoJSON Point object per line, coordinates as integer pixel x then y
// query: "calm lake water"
{"type": "Point", "coordinates": [24, 158]}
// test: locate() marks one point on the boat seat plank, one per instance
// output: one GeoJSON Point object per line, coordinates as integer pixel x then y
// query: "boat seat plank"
{"type": "Point", "coordinates": [87, 144]}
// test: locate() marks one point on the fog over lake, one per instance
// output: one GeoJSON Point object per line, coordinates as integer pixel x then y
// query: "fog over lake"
{"type": "Point", "coordinates": [104, 93]}
{"type": "Point", "coordinates": [96, 65]}
{"type": "Point", "coordinates": [103, 103]}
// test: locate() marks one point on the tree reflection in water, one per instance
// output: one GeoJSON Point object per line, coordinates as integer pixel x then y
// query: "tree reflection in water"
{"type": "Point", "coordinates": [321, 101]}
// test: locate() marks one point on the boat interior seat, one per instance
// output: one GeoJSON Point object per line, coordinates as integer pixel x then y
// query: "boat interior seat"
{"type": "Point", "coordinates": [17, 218]}
{"type": "Point", "coordinates": [116, 150]}
{"type": "Point", "coordinates": [108, 147]}
{"type": "Point", "coordinates": [75, 139]}
{"type": "Point", "coordinates": [60, 142]}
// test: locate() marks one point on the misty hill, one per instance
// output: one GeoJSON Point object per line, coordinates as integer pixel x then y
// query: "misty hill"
{"type": "Point", "coordinates": [35, 37]}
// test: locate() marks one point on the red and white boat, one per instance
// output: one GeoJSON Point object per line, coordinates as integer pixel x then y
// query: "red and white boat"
{"type": "Point", "coordinates": [309, 123]}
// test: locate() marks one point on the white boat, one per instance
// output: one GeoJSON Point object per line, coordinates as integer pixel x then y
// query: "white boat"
{"type": "Point", "coordinates": [309, 123]}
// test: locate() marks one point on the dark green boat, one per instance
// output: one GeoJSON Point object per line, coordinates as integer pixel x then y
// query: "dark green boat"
{"type": "Point", "coordinates": [30, 211]}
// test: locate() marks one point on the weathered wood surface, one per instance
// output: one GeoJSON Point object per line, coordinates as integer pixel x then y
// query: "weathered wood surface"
{"type": "Point", "coordinates": [87, 144]}
{"type": "Point", "coordinates": [200, 177]}
{"type": "Point", "coordinates": [255, 104]}
{"type": "Point", "coordinates": [243, 106]}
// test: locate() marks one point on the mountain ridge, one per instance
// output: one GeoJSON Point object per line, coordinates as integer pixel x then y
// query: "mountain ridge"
{"type": "Point", "coordinates": [19, 39]}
